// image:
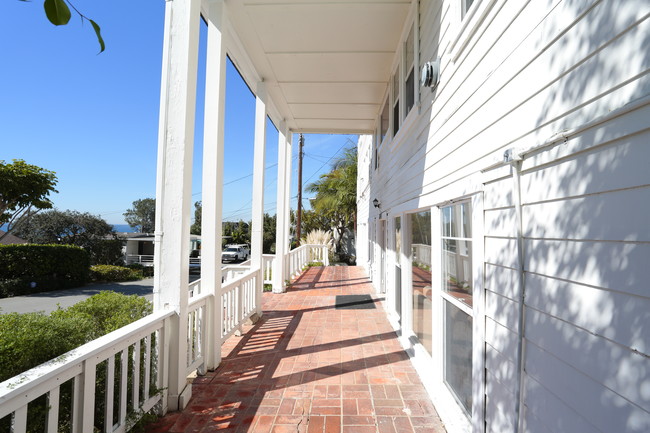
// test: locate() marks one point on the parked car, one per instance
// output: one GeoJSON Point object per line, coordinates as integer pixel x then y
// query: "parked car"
{"type": "Point", "coordinates": [235, 252]}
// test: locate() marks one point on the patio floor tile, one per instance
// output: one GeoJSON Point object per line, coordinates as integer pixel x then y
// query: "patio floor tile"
{"type": "Point", "coordinates": [307, 366]}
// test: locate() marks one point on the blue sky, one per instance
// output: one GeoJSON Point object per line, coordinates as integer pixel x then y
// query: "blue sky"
{"type": "Point", "coordinates": [93, 119]}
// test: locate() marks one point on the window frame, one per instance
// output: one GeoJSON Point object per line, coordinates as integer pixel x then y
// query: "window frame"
{"type": "Point", "coordinates": [468, 22]}
{"type": "Point", "coordinates": [396, 89]}
{"type": "Point", "coordinates": [449, 403]}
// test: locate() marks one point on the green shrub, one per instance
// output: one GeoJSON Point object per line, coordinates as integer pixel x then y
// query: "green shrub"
{"type": "Point", "coordinates": [107, 311]}
{"type": "Point", "coordinates": [31, 268]}
{"type": "Point", "coordinates": [114, 273]}
{"type": "Point", "coordinates": [147, 271]}
{"type": "Point", "coordinates": [28, 340]}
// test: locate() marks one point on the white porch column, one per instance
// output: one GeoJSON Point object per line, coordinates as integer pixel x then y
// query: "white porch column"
{"type": "Point", "coordinates": [287, 201]}
{"type": "Point", "coordinates": [258, 192]}
{"type": "Point", "coordinates": [174, 185]}
{"type": "Point", "coordinates": [282, 209]}
{"type": "Point", "coordinates": [213, 145]}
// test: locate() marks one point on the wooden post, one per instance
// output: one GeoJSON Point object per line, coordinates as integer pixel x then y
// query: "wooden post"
{"type": "Point", "coordinates": [257, 228]}
{"type": "Point", "coordinates": [174, 182]}
{"type": "Point", "coordinates": [213, 155]}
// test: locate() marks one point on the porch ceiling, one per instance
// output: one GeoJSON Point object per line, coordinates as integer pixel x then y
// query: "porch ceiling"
{"type": "Point", "coordinates": [326, 64]}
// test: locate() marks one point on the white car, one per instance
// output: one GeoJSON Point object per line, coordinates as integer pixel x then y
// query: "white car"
{"type": "Point", "coordinates": [235, 252]}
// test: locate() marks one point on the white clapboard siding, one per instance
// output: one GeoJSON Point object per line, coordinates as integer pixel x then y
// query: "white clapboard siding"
{"type": "Point", "coordinates": [531, 71]}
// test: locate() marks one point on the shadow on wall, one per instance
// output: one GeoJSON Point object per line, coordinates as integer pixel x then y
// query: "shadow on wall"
{"type": "Point", "coordinates": [587, 240]}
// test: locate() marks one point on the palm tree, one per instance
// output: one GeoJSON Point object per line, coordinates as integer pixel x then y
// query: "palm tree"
{"type": "Point", "coordinates": [336, 194]}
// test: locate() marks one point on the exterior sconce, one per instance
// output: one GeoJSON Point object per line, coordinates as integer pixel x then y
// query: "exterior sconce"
{"type": "Point", "coordinates": [376, 203]}
{"type": "Point", "coordinates": [430, 74]}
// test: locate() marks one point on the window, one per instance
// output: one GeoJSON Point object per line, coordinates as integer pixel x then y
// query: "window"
{"type": "Point", "coordinates": [457, 301]}
{"type": "Point", "coordinates": [465, 5]}
{"type": "Point", "coordinates": [398, 267]}
{"type": "Point", "coordinates": [396, 117]}
{"type": "Point", "coordinates": [409, 93]}
{"type": "Point", "coordinates": [420, 227]}
{"type": "Point", "coordinates": [383, 122]}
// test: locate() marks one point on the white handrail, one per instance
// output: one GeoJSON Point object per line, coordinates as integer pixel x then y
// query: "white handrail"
{"type": "Point", "coordinates": [80, 365]}
{"type": "Point", "coordinates": [138, 352]}
{"type": "Point", "coordinates": [300, 257]}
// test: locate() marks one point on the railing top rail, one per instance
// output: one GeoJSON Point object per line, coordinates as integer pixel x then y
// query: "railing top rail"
{"type": "Point", "coordinates": [32, 378]}
{"type": "Point", "coordinates": [198, 300]}
{"type": "Point", "coordinates": [234, 282]}
{"type": "Point", "coordinates": [307, 246]}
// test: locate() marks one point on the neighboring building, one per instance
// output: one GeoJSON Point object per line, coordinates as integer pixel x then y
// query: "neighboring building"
{"type": "Point", "coordinates": [139, 248]}
{"type": "Point", "coordinates": [11, 239]}
{"type": "Point", "coordinates": [512, 234]}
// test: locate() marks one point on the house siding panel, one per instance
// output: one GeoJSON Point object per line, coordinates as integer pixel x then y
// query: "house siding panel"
{"type": "Point", "coordinates": [533, 70]}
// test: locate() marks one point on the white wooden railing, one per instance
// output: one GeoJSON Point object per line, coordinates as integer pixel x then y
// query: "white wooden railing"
{"type": "Point", "coordinates": [422, 254]}
{"type": "Point", "coordinates": [143, 259]}
{"type": "Point", "coordinates": [267, 267]}
{"type": "Point", "coordinates": [237, 302]}
{"type": "Point", "coordinates": [133, 359]}
{"type": "Point", "coordinates": [300, 257]}
{"type": "Point", "coordinates": [136, 351]}
{"type": "Point", "coordinates": [197, 316]}
{"type": "Point", "coordinates": [230, 272]}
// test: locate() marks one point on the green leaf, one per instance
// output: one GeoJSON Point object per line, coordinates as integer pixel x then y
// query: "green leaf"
{"type": "Point", "coordinates": [57, 12]}
{"type": "Point", "coordinates": [102, 46]}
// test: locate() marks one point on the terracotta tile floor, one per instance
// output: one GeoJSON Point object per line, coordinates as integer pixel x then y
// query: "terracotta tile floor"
{"type": "Point", "coordinates": [310, 367]}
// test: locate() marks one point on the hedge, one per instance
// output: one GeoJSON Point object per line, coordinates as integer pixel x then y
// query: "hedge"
{"type": "Point", "coordinates": [30, 268]}
{"type": "Point", "coordinates": [114, 273]}
{"type": "Point", "coordinates": [28, 340]}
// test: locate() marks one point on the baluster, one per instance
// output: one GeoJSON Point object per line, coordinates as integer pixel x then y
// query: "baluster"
{"type": "Point", "coordinates": [53, 410]}
{"type": "Point", "coordinates": [88, 395]}
{"type": "Point", "coordinates": [136, 375]}
{"type": "Point", "coordinates": [147, 366]}
{"type": "Point", "coordinates": [110, 393]}
{"type": "Point", "coordinates": [19, 420]}
{"type": "Point", "coordinates": [124, 376]}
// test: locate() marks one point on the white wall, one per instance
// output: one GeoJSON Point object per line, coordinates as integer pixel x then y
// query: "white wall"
{"type": "Point", "coordinates": [516, 78]}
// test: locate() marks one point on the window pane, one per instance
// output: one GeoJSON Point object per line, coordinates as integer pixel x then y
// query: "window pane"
{"type": "Point", "coordinates": [396, 86]}
{"type": "Point", "coordinates": [395, 118]}
{"type": "Point", "coordinates": [457, 271]}
{"type": "Point", "coordinates": [458, 354]}
{"type": "Point", "coordinates": [457, 252]}
{"type": "Point", "coordinates": [448, 223]}
{"type": "Point", "coordinates": [466, 5]}
{"type": "Point", "coordinates": [398, 268]}
{"type": "Point", "coordinates": [420, 224]}
{"type": "Point", "coordinates": [398, 237]}
{"type": "Point", "coordinates": [410, 49]}
{"type": "Point", "coordinates": [384, 121]}
{"type": "Point", "coordinates": [466, 221]}
{"type": "Point", "coordinates": [409, 96]}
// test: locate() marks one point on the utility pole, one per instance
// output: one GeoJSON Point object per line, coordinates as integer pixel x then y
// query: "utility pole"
{"type": "Point", "coordinates": [299, 213]}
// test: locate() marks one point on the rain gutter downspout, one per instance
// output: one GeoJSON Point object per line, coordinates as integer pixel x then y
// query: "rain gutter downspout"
{"type": "Point", "coordinates": [515, 161]}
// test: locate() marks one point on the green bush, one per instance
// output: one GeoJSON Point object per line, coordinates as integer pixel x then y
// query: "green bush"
{"type": "Point", "coordinates": [31, 268]}
{"type": "Point", "coordinates": [147, 271]}
{"type": "Point", "coordinates": [114, 273]}
{"type": "Point", "coordinates": [28, 340]}
{"type": "Point", "coordinates": [107, 311]}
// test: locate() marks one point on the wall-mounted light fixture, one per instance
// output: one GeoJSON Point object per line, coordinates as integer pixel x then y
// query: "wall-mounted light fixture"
{"type": "Point", "coordinates": [430, 74]}
{"type": "Point", "coordinates": [376, 203]}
